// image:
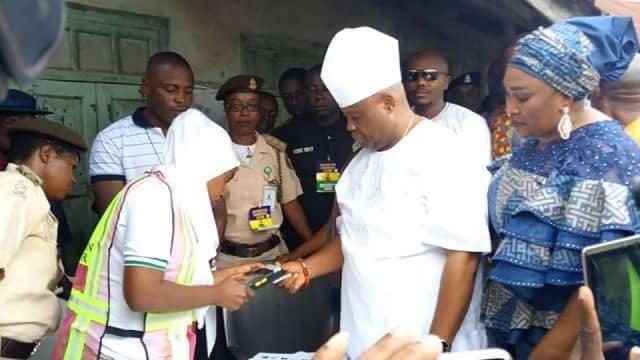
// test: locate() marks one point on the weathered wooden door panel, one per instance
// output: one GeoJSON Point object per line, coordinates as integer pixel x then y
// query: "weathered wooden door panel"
{"type": "Point", "coordinates": [106, 46]}
{"type": "Point", "coordinates": [74, 105]}
{"type": "Point", "coordinates": [116, 101]}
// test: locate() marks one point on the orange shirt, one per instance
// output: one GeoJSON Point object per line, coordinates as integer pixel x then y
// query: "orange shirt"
{"type": "Point", "coordinates": [500, 125]}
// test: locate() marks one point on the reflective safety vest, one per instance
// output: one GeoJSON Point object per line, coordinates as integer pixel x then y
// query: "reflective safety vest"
{"type": "Point", "coordinates": [164, 335]}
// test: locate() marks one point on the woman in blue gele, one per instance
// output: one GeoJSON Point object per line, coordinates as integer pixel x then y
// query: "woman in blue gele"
{"type": "Point", "coordinates": [566, 187]}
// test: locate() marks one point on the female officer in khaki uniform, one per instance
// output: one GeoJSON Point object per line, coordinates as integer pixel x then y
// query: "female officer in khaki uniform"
{"type": "Point", "coordinates": [41, 158]}
{"type": "Point", "coordinates": [264, 188]}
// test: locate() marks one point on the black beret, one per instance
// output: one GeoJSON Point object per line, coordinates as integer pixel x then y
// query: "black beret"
{"type": "Point", "coordinates": [240, 83]}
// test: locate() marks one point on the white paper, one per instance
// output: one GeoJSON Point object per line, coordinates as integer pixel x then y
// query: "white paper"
{"type": "Point", "coordinates": [275, 356]}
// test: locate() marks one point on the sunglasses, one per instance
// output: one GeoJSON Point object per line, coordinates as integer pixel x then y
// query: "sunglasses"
{"type": "Point", "coordinates": [428, 75]}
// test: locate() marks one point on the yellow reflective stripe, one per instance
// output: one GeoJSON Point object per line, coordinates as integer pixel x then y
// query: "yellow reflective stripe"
{"type": "Point", "coordinates": [95, 269]}
{"type": "Point", "coordinates": [169, 320]}
{"type": "Point", "coordinates": [183, 273]}
{"type": "Point", "coordinates": [88, 308]}
{"type": "Point", "coordinates": [86, 313]}
{"type": "Point", "coordinates": [77, 337]}
{"type": "Point", "coordinates": [91, 301]}
{"type": "Point", "coordinates": [98, 239]}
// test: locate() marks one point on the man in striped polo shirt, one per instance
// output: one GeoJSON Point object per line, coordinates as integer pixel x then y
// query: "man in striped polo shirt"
{"type": "Point", "coordinates": [133, 145]}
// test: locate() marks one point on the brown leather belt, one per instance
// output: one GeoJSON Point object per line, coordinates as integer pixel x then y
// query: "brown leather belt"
{"type": "Point", "coordinates": [248, 251]}
{"type": "Point", "coordinates": [14, 349]}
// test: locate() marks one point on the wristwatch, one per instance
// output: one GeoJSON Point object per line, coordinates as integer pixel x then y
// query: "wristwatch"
{"type": "Point", "coordinates": [446, 347]}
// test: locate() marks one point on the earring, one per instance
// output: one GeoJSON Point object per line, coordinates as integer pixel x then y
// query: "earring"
{"type": "Point", "coordinates": [565, 126]}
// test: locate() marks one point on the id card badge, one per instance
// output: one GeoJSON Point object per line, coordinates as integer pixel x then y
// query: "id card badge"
{"type": "Point", "coordinates": [270, 196]}
{"type": "Point", "coordinates": [327, 176]}
{"type": "Point", "coordinates": [260, 218]}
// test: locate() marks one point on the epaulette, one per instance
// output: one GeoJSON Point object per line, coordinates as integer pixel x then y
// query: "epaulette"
{"type": "Point", "coordinates": [275, 143]}
{"type": "Point", "coordinates": [28, 173]}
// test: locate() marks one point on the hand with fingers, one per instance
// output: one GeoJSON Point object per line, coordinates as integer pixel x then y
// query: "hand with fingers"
{"type": "Point", "coordinates": [590, 340]}
{"type": "Point", "coordinates": [284, 258]}
{"type": "Point", "coordinates": [390, 347]}
{"type": "Point", "coordinates": [233, 293]}
{"type": "Point", "coordinates": [238, 272]}
{"type": "Point", "coordinates": [299, 276]}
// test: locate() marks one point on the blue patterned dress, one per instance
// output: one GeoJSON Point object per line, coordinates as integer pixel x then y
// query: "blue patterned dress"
{"type": "Point", "coordinates": [546, 205]}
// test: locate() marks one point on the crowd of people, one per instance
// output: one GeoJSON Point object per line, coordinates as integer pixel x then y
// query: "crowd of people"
{"type": "Point", "coordinates": [397, 199]}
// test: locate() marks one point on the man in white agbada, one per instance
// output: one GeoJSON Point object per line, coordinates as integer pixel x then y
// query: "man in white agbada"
{"type": "Point", "coordinates": [412, 219]}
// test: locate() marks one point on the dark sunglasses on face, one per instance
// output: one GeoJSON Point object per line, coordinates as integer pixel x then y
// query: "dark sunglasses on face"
{"type": "Point", "coordinates": [428, 75]}
{"type": "Point", "coordinates": [236, 107]}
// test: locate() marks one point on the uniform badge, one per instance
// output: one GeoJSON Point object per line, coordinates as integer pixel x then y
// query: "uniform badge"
{"type": "Point", "coordinates": [252, 84]}
{"type": "Point", "coordinates": [20, 188]}
{"type": "Point", "coordinates": [355, 147]}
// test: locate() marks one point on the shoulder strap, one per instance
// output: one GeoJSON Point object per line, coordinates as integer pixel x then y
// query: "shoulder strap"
{"type": "Point", "coordinates": [280, 147]}
{"type": "Point", "coordinates": [275, 143]}
{"type": "Point", "coordinates": [334, 211]}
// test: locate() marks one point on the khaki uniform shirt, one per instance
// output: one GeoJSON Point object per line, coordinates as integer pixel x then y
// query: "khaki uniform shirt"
{"type": "Point", "coordinates": [246, 188]}
{"type": "Point", "coordinates": [29, 310]}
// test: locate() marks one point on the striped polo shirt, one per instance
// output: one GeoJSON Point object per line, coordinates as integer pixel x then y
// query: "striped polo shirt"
{"type": "Point", "coordinates": [126, 149]}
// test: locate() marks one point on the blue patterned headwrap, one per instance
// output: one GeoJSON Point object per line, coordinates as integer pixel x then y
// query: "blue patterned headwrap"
{"type": "Point", "coordinates": [559, 56]}
{"type": "Point", "coordinates": [614, 40]}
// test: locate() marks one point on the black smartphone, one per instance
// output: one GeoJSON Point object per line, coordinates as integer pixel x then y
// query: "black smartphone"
{"type": "Point", "coordinates": [270, 275]}
{"type": "Point", "coordinates": [612, 271]}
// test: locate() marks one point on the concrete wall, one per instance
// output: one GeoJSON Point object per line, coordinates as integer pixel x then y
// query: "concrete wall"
{"type": "Point", "coordinates": [208, 32]}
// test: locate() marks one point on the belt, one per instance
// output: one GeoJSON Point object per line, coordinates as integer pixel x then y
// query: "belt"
{"type": "Point", "coordinates": [15, 349]}
{"type": "Point", "coordinates": [249, 251]}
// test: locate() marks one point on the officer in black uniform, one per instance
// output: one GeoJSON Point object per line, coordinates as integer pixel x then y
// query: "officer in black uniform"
{"type": "Point", "coordinates": [465, 91]}
{"type": "Point", "coordinates": [318, 146]}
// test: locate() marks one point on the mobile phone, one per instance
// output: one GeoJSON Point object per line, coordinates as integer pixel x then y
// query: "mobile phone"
{"type": "Point", "coordinates": [272, 274]}
{"type": "Point", "coordinates": [487, 354]}
{"type": "Point", "coordinates": [612, 271]}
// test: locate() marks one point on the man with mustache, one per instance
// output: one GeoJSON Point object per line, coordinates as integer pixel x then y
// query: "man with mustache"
{"type": "Point", "coordinates": [133, 145]}
{"type": "Point", "coordinates": [407, 260]}
{"type": "Point", "coordinates": [426, 77]}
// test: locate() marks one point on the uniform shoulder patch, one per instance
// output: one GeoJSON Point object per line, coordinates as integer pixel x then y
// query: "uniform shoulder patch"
{"type": "Point", "coordinates": [355, 147]}
{"type": "Point", "coordinates": [20, 189]}
{"type": "Point", "coordinates": [28, 174]}
{"type": "Point", "coordinates": [275, 143]}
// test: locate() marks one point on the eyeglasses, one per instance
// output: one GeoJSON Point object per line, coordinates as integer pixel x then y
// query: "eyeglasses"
{"type": "Point", "coordinates": [428, 75]}
{"type": "Point", "coordinates": [239, 107]}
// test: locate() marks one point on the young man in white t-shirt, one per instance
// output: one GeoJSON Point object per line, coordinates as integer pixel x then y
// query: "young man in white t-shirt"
{"type": "Point", "coordinates": [426, 78]}
{"type": "Point", "coordinates": [133, 145]}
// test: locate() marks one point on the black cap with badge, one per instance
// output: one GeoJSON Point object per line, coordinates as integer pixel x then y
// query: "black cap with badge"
{"type": "Point", "coordinates": [240, 83]}
{"type": "Point", "coordinates": [469, 78]}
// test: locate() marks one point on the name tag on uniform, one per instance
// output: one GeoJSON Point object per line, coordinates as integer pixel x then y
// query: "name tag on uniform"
{"type": "Point", "coordinates": [260, 218]}
{"type": "Point", "coordinates": [327, 176]}
{"type": "Point", "coordinates": [269, 196]}
{"type": "Point", "coordinates": [302, 150]}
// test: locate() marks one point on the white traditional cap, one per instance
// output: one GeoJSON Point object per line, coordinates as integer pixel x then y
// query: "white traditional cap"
{"type": "Point", "coordinates": [359, 63]}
